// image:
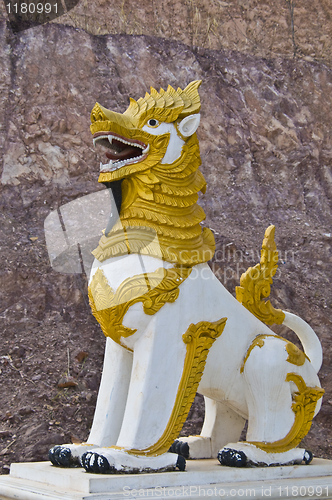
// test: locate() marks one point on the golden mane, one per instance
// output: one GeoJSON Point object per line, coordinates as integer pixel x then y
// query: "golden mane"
{"type": "Point", "coordinates": [159, 212]}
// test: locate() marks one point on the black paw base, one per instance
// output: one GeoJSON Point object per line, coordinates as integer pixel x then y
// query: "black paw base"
{"type": "Point", "coordinates": [232, 458]}
{"type": "Point", "coordinates": [61, 456]}
{"type": "Point", "coordinates": [97, 464]}
{"type": "Point", "coordinates": [307, 457]}
{"type": "Point", "coordinates": [181, 463]}
{"type": "Point", "coordinates": [180, 448]}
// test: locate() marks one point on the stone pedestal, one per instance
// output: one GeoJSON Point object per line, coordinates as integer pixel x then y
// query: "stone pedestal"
{"type": "Point", "coordinates": [203, 478]}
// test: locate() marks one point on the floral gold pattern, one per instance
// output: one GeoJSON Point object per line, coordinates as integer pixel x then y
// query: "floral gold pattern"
{"type": "Point", "coordinates": [295, 355]}
{"type": "Point", "coordinates": [152, 289]}
{"type": "Point", "coordinates": [198, 339]}
{"type": "Point", "coordinates": [255, 283]}
{"type": "Point", "coordinates": [258, 341]}
{"type": "Point", "coordinates": [304, 405]}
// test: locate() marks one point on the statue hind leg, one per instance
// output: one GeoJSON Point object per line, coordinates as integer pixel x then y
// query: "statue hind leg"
{"type": "Point", "coordinates": [280, 404]}
{"type": "Point", "coordinates": [221, 425]}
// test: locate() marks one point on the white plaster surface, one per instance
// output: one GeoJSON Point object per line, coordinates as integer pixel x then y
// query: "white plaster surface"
{"type": "Point", "coordinates": [221, 425]}
{"type": "Point", "coordinates": [203, 478]}
{"type": "Point", "coordinates": [308, 338]}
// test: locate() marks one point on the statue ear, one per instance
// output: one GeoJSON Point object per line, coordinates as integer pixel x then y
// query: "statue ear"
{"type": "Point", "coordinates": [189, 125]}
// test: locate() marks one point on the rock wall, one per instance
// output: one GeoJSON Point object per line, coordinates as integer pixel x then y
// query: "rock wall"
{"type": "Point", "coordinates": [265, 139]}
{"type": "Point", "coordinates": [283, 28]}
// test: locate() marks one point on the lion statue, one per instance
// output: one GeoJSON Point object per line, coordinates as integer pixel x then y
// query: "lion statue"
{"type": "Point", "coordinates": [172, 328]}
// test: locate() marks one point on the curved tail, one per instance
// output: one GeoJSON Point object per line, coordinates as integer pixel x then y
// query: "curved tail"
{"type": "Point", "coordinates": [255, 288]}
{"type": "Point", "coordinates": [309, 340]}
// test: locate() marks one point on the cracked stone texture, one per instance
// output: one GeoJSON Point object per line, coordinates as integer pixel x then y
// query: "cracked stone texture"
{"type": "Point", "coordinates": [258, 27]}
{"type": "Point", "coordinates": [265, 138]}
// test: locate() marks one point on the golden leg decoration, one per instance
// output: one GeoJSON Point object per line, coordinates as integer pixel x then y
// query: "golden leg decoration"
{"type": "Point", "coordinates": [198, 338]}
{"type": "Point", "coordinates": [304, 408]}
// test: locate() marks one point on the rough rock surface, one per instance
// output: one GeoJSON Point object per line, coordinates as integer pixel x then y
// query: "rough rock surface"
{"type": "Point", "coordinates": [266, 146]}
{"type": "Point", "coordinates": [286, 28]}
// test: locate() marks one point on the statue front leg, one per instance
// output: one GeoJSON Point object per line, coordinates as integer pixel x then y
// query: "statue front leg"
{"type": "Point", "coordinates": [168, 362]}
{"type": "Point", "coordinates": [112, 395]}
{"type": "Point", "coordinates": [149, 419]}
{"type": "Point", "coordinates": [109, 410]}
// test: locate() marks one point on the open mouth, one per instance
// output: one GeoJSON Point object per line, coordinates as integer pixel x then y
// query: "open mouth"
{"type": "Point", "coordinates": [120, 151]}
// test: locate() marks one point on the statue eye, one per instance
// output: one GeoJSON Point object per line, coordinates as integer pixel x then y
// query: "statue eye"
{"type": "Point", "coordinates": [153, 123]}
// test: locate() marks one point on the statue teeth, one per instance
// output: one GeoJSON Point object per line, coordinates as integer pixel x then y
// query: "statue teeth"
{"type": "Point", "coordinates": [111, 166]}
{"type": "Point", "coordinates": [106, 167]}
{"type": "Point", "coordinates": [111, 137]}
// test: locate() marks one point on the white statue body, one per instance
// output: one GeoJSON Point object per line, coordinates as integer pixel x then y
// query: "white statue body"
{"type": "Point", "coordinates": [151, 369]}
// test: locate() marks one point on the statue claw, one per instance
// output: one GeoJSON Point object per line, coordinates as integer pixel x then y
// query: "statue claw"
{"type": "Point", "coordinates": [181, 448]}
{"type": "Point", "coordinates": [232, 458]}
{"type": "Point", "coordinates": [307, 457]}
{"type": "Point", "coordinates": [95, 463]}
{"type": "Point", "coordinates": [61, 456]}
{"type": "Point", "coordinates": [110, 461]}
{"type": "Point", "coordinates": [181, 463]}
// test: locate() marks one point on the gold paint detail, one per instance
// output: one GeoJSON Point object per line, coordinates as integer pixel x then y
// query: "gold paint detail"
{"type": "Point", "coordinates": [304, 404]}
{"type": "Point", "coordinates": [101, 292]}
{"type": "Point", "coordinates": [163, 203]}
{"type": "Point", "coordinates": [166, 106]}
{"type": "Point", "coordinates": [152, 289]}
{"type": "Point", "coordinates": [144, 241]}
{"type": "Point", "coordinates": [198, 338]}
{"type": "Point", "coordinates": [255, 283]}
{"type": "Point", "coordinates": [157, 197]}
{"type": "Point", "coordinates": [295, 355]}
{"type": "Point", "coordinates": [258, 341]}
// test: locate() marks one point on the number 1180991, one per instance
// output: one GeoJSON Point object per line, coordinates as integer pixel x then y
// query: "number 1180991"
{"type": "Point", "coordinates": [303, 491]}
{"type": "Point", "coordinates": [32, 8]}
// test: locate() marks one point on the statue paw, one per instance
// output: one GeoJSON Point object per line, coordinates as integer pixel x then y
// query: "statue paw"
{"type": "Point", "coordinates": [244, 454]}
{"type": "Point", "coordinates": [181, 448]}
{"type": "Point", "coordinates": [181, 463]}
{"type": "Point", "coordinates": [114, 461]}
{"type": "Point", "coordinates": [93, 462]}
{"type": "Point", "coordinates": [61, 456]}
{"type": "Point", "coordinates": [232, 458]}
{"type": "Point", "coordinates": [193, 447]}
